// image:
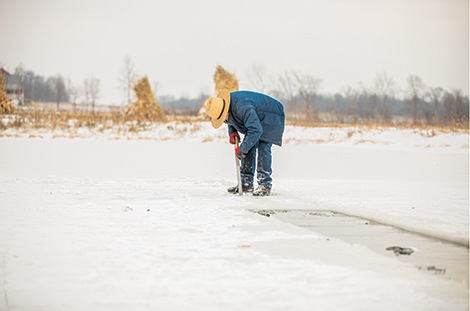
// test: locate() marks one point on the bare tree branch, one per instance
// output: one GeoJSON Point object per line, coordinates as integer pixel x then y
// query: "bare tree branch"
{"type": "Point", "coordinates": [385, 87]}
{"type": "Point", "coordinates": [92, 90]}
{"type": "Point", "coordinates": [416, 89]}
{"type": "Point", "coordinates": [257, 78]}
{"type": "Point", "coordinates": [307, 87]}
{"type": "Point", "coordinates": [58, 87]}
{"type": "Point", "coordinates": [127, 77]}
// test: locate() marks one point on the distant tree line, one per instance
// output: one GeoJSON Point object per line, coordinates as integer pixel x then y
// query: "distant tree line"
{"type": "Point", "coordinates": [363, 107]}
{"type": "Point", "coordinates": [39, 88]}
{"type": "Point", "coordinates": [381, 103]}
{"type": "Point", "coordinates": [417, 104]}
{"type": "Point", "coordinates": [182, 105]}
{"type": "Point", "coordinates": [57, 89]}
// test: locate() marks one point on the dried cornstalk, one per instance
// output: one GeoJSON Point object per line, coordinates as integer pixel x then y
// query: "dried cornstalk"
{"type": "Point", "coordinates": [6, 106]}
{"type": "Point", "coordinates": [223, 80]}
{"type": "Point", "coordinates": [145, 108]}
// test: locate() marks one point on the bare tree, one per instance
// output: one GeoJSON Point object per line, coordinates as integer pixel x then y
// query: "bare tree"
{"type": "Point", "coordinates": [92, 91]}
{"type": "Point", "coordinates": [353, 96]}
{"type": "Point", "coordinates": [435, 95]}
{"type": "Point", "coordinates": [20, 72]}
{"type": "Point", "coordinates": [74, 92]}
{"type": "Point", "coordinates": [86, 92]}
{"type": "Point", "coordinates": [456, 107]}
{"type": "Point", "coordinates": [59, 89]}
{"type": "Point", "coordinates": [127, 77]}
{"type": "Point", "coordinates": [370, 103]}
{"type": "Point", "coordinates": [307, 88]}
{"type": "Point", "coordinates": [25, 83]}
{"type": "Point", "coordinates": [155, 88]}
{"type": "Point", "coordinates": [257, 77]}
{"type": "Point", "coordinates": [385, 87]}
{"type": "Point", "coordinates": [416, 89]}
{"type": "Point", "coordinates": [287, 86]}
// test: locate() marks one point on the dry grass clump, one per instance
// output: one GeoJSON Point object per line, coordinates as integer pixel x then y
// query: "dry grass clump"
{"type": "Point", "coordinates": [225, 80]}
{"type": "Point", "coordinates": [6, 106]}
{"type": "Point", "coordinates": [37, 117]}
{"type": "Point", "coordinates": [145, 108]}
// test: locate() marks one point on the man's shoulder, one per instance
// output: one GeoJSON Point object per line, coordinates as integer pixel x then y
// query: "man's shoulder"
{"type": "Point", "coordinates": [260, 102]}
{"type": "Point", "coordinates": [250, 97]}
{"type": "Point", "coordinates": [240, 95]}
{"type": "Point", "coordinates": [246, 93]}
{"type": "Point", "coordinates": [241, 98]}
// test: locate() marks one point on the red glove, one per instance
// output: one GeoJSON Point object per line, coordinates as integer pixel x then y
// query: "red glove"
{"type": "Point", "coordinates": [239, 154]}
{"type": "Point", "coordinates": [232, 138]}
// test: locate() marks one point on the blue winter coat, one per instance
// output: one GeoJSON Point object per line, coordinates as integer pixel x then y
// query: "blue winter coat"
{"type": "Point", "coordinates": [257, 116]}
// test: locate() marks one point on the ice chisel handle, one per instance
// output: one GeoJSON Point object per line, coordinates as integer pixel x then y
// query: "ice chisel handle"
{"type": "Point", "coordinates": [237, 164]}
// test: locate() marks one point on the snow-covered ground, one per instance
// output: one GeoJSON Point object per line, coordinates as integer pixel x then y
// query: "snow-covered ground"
{"type": "Point", "coordinates": [118, 221]}
{"type": "Point", "coordinates": [403, 139]}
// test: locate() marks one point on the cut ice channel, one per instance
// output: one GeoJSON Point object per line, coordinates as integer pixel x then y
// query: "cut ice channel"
{"type": "Point", "coordinates": [440, 257]}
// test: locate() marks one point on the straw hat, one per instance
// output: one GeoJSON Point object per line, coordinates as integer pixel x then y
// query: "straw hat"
{"type": "Point", "coordinates": [217, 108]}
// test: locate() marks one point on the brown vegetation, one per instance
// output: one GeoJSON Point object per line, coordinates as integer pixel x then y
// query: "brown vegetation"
{"type": "Point", "coordinates": [46, 118]}
{"type": "Point", "coordinates": [141, 114]}
{"type": "Point", "coordinates": [145, 108]}
{"type": "Point", "coordinates": [331, 119]}
{"type": "Point", "coordinates": [6, 106]}
{"type": "Point", "coordinates": [38, 116]}
{"type": "Point", "coordinates": [225, 80]}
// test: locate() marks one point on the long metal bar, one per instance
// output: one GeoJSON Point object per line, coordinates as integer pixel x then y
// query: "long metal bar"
{"type": "Point", "coordinates": [237, 163]}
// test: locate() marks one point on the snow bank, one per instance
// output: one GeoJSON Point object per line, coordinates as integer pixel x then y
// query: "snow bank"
{"type": "Point", "coordinates": [202, 132]}
{"type": "Point", "coordinates": [394, 138]}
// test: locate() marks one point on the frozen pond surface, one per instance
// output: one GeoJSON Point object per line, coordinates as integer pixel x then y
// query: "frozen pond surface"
{"type": "Point", "coordinates": [146, 225]}
{"type": "Point", "coordinates": [450, 260]}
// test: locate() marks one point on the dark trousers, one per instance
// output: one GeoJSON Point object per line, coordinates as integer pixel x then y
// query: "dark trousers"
{"type": "Point", "coordinates": [260, 164]}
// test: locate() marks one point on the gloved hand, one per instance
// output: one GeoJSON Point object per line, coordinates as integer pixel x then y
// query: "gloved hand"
{"type": "Point", "coordinates": [232, 138]}
{"type": "Point", "coordinates": [239, 154]}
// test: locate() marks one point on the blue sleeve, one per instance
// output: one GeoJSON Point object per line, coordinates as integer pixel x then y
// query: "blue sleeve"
{"type": "Point", "coordinates": [231, 129]}
{"type": "Point", "coordinates": [253, 125]}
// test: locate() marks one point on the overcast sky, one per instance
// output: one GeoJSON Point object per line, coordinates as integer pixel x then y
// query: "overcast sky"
{"type": "Point", "coordinates": [180, 42]}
